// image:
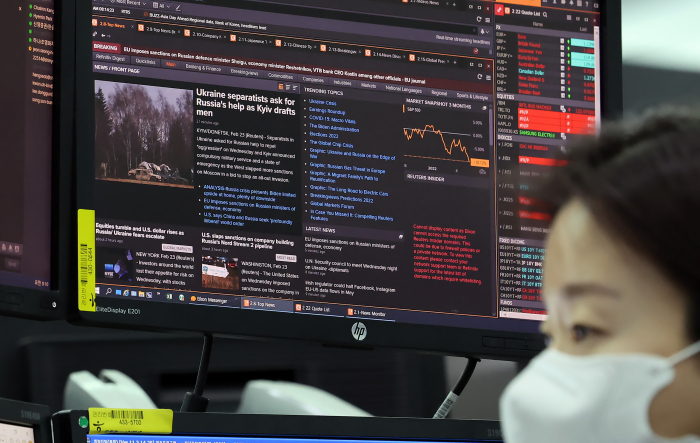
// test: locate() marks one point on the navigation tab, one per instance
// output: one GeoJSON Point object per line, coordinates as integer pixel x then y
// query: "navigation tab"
{"type": "Point", "coordinates": [282, 76]}
{"type": "Point", "coordinates": [369, 85]}
{"type": "Point", "coordinates": [438, 93]}
{"type": "Point", "coordinates": [265, 304]}
{"type": "Point", "coordinates": [403, 89]}
{"type": "Point", "coordinates": [246, 72]}
{"type": "Point", "coordinates": [314, 80]}
{"type": "Point", "coordinates": [471, 96]}
{"type": "Point", "coordinates": [112, 58]}
{"type": "Point", "coordinates": [343, 82]}
{"type": "Point", "coordinates": [202, 68]}
{"type": "Point", "coordinates": [146, 61]}
{"type": "Point", "coordinates": [170, 64]}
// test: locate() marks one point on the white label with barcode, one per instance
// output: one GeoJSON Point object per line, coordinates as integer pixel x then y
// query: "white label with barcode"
{"type": "Point", "coordinates": [446, 406]}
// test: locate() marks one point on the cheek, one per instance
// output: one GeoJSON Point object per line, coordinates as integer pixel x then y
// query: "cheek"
{"type": "Point", "coordinates": [653, 325]}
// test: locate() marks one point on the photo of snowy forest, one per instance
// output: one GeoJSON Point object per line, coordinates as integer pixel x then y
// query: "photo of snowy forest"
{"type": "Point", "coordinates": [143, 134]}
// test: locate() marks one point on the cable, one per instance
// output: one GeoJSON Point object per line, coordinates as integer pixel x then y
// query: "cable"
{"type": "Point", "coordinates": [452, 397]}
{"type": "Point", "coordinates": [204, 365]}
{"type": "Point", "coordinates": [194, 401]}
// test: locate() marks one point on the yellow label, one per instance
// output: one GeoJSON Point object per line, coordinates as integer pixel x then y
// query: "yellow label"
{"type": "Point", "coordinates": [130, 421]}
{"type": "Point", "coordinates": [86, 260]}
{"type": "Point", "coordinates": [480, 163]}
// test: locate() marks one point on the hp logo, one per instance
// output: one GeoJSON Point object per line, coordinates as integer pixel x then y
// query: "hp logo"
{"type": "Point", "coordinates": [359, 331]}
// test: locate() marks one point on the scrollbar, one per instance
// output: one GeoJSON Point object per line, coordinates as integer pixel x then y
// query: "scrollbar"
{"type": "Point", "coordinates": [598, 75]}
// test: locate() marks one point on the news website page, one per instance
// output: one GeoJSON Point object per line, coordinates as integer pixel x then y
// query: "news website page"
{"type": "Point", "coordinates": [370, 162]}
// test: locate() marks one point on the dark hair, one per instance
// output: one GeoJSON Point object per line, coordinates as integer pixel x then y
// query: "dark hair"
{"type": "Point", "coordinates": [641, 180]}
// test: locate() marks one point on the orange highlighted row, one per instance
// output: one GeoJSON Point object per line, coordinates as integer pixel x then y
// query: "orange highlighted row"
{"type": "Point", "coordinates": [537, 3]}
{"type": "Point", "coordinates": [563, 123]}
{"type": "Point", "coordinates": [542, 161]}
{"type": "Point", "coordinates": [528, 119]}
{"type": "Point", "coordinates": [535, 215]}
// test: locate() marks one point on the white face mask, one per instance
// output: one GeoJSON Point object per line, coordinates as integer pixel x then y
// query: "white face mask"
{"type": "Point", "coordinates": [588, 399]}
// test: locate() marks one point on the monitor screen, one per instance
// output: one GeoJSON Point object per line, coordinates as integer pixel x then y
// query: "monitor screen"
{"type": "Point", "coordinates": [26, 94]}
{"type": "Point", "coordinates": [16, 434]}
{"type": "Point", "coordinates": [369, 160]}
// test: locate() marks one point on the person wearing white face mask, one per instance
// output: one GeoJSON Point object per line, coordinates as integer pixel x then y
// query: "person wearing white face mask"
{"type": "Point", "coordinates": [622, 288]}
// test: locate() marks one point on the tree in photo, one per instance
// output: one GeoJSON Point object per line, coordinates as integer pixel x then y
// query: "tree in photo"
{"type": "Point", "coordinates": [143, 133]}
{"type": "Point", "coordinates": [103, 129]}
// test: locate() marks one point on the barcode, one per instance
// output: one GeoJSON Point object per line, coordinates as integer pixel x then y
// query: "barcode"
{"type": "Point", "coordinates": [83, 263]}
{"type": "Point", "coordinates": [444, 409]}
{"type": "Point", "coordinates": [446, 406]}
{"type": "Point", "coordinates": [129, 415]}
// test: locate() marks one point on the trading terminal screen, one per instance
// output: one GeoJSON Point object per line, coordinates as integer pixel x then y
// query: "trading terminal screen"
{"type": "Point", "coordinates": [302, 157]}
{"type": "Point", "coordinates": [26, 94]}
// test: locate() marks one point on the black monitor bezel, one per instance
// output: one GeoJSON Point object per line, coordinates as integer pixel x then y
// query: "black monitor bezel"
{"type": "Point", "coordinates": [37, 417]}
{"type": "Point", "coordinates": [67, 429]}
{"type": "Point", "coordinates": [37, 304]}
{"type": "Point", "coordinates": [330, 331]}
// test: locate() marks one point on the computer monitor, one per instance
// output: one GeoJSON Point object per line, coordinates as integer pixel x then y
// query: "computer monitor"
{"type": "Point", "coordinates": [30, 223]}
{"type": "Point", "coordinates": [356, 173]}
{"type": "Point", "coordinates": [24, 422]}
{"type": "Point", "coordinates": [75, 427]}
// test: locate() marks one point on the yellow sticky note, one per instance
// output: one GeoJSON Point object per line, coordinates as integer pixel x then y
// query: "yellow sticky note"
{"type": "Point", "coordinates": [86, 260]}
{"type": "Point", "coordinates": [130, 421]}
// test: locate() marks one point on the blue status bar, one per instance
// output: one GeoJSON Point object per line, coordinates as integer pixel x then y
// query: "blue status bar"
{"type": "Point", "coordinates": [114, 438]}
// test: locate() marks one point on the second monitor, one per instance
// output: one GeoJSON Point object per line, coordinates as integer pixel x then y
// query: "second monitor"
{"type": "Point", "coordinates": [34, 196]}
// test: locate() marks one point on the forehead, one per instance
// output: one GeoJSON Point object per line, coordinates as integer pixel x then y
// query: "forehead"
{"type": "Point", "coordinates": [581, 251]}
{"type": "Point", "coordinates": [579, 246]}
{"type": "Point", "coordinates": [585, 268]}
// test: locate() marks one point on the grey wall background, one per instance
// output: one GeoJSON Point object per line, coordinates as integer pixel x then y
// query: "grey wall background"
{"type": "Point", "coordinates": [646, 87]}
